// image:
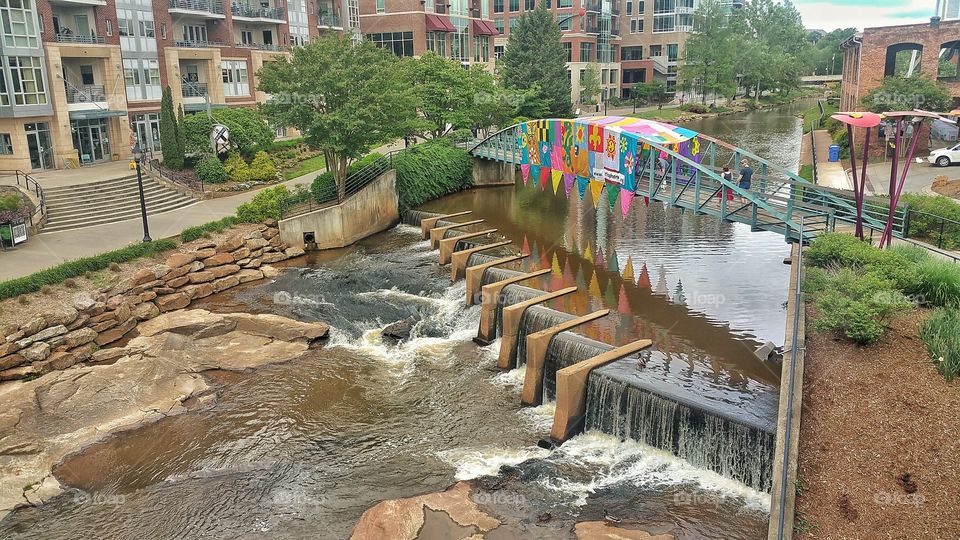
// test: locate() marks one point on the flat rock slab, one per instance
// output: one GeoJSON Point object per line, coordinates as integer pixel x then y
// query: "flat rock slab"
{"type": "Point", "coordinates": [155, 375]}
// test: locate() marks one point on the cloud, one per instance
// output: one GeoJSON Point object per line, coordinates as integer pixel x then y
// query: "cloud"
{"type": "Point", "coordinates": [863, 13]}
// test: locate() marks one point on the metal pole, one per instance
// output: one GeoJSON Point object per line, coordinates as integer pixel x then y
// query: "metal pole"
{"type": "Point", "coordinates": [143, 204]}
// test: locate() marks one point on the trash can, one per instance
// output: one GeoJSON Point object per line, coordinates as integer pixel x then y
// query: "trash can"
{"type": "Point", "coordinates": [834, 155]}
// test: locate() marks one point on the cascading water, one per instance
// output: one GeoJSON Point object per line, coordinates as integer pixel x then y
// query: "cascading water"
{"type": "Point", "coordinates": [702, 437]}
{"type": "Point", "coordinates": [414, 217]}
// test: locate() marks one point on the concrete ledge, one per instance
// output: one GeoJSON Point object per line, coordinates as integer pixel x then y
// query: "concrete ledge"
{"type": "Point", "coordinates": [428, 223]}
{"type": "Point", "coordinates": [447, 244]}
{"type": "Point", "coordinates": [490, 294]}
{"type": "Point", "coordinates": [572, 390]}
{"type": "Point", "coordinates": [511, 326]}
{"type": "Point", "coordinates": [458, 260]}
{"type": "Point", "coordinates": [475, 275]}
{"type": "Point", "coordinates": [436, 233]}
{"type": "Point", "coordinates": [779, 490]}
{"type": "Point", "coordinates": [537, 346]}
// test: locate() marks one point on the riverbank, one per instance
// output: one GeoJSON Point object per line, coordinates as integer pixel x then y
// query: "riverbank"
{"type": "Point", "coordinates": [158, 374]}
{"type": "Point", "coordinates": [878, 439]}
{"type": "Point", "coordinates": [675, 115]}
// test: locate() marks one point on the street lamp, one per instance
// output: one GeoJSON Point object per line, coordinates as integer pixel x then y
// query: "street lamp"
{"type": "Point", "coordinates": [137, 157]}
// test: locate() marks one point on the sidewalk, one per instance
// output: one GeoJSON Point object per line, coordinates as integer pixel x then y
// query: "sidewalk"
{"type": "Point", "coordinates": [829, 174]}
{"type": "Point", "coordinates": [50, 249]}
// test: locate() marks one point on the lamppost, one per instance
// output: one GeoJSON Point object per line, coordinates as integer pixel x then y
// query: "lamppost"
{"type": "Point", "coordinates": [137, 157]}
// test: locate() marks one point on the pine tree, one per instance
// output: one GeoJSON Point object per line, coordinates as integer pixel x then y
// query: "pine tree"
{"type": "Point", "coordinates": [535, 59]}
{"type": "Point", "coordinates": [169, 133]}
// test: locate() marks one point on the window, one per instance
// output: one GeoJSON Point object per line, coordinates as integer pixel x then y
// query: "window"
{"type": "Point", "coordinates": [86, 74]}
{"type": "Point", "coordinates": [663, 23]}
{"type": "Point", "coordinates": [147, 29]}
{"type": "Point", "coordinates": [498, 6]}
{"type": "Point", "coordinates": [565, 22]}
{"type": "Point", "coordinates": [18, 28]}
{"type": "Point", "coordinates": [497, 51]}
{"type": "Point", "coordinates": [672, 52]}
{"type": "Point", "coordinates": [685, 20]}
{"type": "Point", "coordinates": [4, 96]}
{"type": "Point", "coordinates": [428, 6]}
{"type": "Point", "coordinates": [26, 74]}
{"type": "Point", "coordinates": [400, 43]}
{"type": "Point", "coordinates": [604, 77]}
{"type": "Point", "coordinates": [235, 77]}
{"type": "Point", "coordinates": [633, 76]}
{"type": "Point", "coordinates": [640, 7]}
{"type": "Point", "coordinates": [629, 7]}
{"type": "Point", "coordinates": [195, 32]}
{"type": "Point", "coordinates": [664, 6]}
{"type": "Point", "coordinates": [124, 24]}
{"type": "Point", "coordinates": [498, 24]}
{"type": "Point", "coordinates": [109, 24]}
{"type": "Point", "coordinates": [513, 23]}
{"type": "Point", "coordinates": [514, 5]}
{"type": "Point", "coordinates": [631, 53]}
{"type": "Point", "coordinates": [380, 6]}
{"type": "Point", "coordinates": [564, 3]}
{"type": "Point", "coordinates": [568, 47]}
{"type": "Point", "coordinates": [529, 5]}
{"type": "Point", "coordinates": [586, 51]}
{"type": "Point", "coordinates": [6, 146]}
{"type": "Point", "coordinates": [583, 74]}
{"type": "Point", "coordinates": [613, 76]}
{"type": "Point", "coordinates": [153, 73]}
{"type": "Point", "coordinates": [131, 76]}
{"type": "Point", "coordinates": [163, 30]}
{"type": "Point", "coordinates": [246, 37]}
{"type": "Point", "coordinates": [437, 43]}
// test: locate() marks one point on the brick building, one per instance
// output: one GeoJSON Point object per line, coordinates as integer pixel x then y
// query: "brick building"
{"type": "Point", "coordinates": [931, 50]}
{"type": "Point", "coordinates": [82, 79]}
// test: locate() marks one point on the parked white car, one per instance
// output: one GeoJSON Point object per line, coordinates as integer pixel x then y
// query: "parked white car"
{"type": "Point", "coordinates": [945, 156]}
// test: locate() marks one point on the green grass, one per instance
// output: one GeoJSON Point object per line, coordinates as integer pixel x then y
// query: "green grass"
{"type": "Point", "coordinates": [191, 234]}
{"type": "Point", "coordinates": [812, 115]}
{"type": "Point", "coordinates": [941, 334]}
{"type": "Point", "coordinates": [78, 267]}
{"type": "Point", "coordinates": [938, 282]}
{"type": "Point", "coordinates": [663, 115]}
{"type": "Point", "coordinates": [806, 172]}
{"type": "Point", "coordinates": [305, 167]}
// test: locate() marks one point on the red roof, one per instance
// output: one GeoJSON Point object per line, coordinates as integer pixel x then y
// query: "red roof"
{"type": "Point", "coordinates": [439, 23]}
{"type": "Point", "coordinates": [484, 28]}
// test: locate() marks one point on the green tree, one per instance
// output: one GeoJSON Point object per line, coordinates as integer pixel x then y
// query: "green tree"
{"type": "Point", "coordinates": [590, 85]}
{"type": "Point", "coordinates": [248, 130]}
{"type": "Point", "coordinates": [534, 56]}
{"type": "Point", "coordinates": [774, 46]}
{"type": "Point", "coordinates": [826, 58]}
{"type": "Point", "coordinates": [710, 52]}
{"type": "Point", "coordinates": [345, 98]}
{"type": "Point", "coordinates": [651, 92]}
{"type": "Point", "coordinates": [172, 149]}
{"type": "Point", "coordinates": [899, 94]}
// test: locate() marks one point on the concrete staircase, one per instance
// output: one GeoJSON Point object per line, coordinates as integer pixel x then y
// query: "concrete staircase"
{"type": "Point", "coordinates": [96, 203]}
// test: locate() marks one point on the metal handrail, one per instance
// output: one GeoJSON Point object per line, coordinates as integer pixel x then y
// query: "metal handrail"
{"type": "Point", "coordinates": [241, 9]}
{"type": "Point", "coordinates": [210, 6]}
{"type": "Point", "coordinates": [77, 38]}
{"type": "Point", "coordinates": [188, 181]}
{"type": "Point", "coordinates": [30, 184]}
{"type": "Point", "coordinates": [193, 44]}
{"type": "Point", "coordinates": [193, 89]}
{"type": "Point", "coordinates": [87, 93]}
{"type": "Point", "coordinates": [938, 235]}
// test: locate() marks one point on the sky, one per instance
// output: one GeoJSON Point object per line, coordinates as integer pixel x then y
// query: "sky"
{"type": "Point", "coordinates": [829, 15]}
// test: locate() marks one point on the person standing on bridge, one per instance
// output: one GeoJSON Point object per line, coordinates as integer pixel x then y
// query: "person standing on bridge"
{"type": "Point", "coordinates": [746, 174]}
{"type": "Point", "coordinates": [728, 176]}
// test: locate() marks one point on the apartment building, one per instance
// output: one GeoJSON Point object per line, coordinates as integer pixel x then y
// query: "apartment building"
{"type": "Point", "coordinates": [82, 79]}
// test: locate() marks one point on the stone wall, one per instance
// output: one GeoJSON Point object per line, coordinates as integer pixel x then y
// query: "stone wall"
{"type": "Point", "coordinates": [76, 333]}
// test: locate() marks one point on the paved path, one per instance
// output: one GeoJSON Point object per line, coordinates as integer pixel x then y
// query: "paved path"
{"type": "Point", "coordinates": [50, 249]}
{"type": "Point", "coordinates": [829, 174]}
{"type": "Point", "coordinates": [918, 180]}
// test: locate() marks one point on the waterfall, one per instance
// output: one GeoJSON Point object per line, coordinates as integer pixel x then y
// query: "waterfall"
{"type": "Point", "coordinates": [705, 438]}
{"type": "Point", "coordinates": [413, 217]}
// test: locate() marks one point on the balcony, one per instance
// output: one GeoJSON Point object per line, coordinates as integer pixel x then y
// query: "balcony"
{"type": "Point", "coordinates": [194, 89]}
{"type": "Point", "coordinates": [198, 44]}
{"type": "Point", "coordinates": [246, 11]}
{"type": "Point", "coordinates": [329, 20]}
{"type": "Point", "coordinates": [79, 2]}
{"type": "Point", "coordinates": [202, 7]}
{"type": "Point", "coordinates": [263, 47]}
{"type": "Point", "coordinates": [74, 38]}
{"type": "Point", "coordinates": [88, 93]}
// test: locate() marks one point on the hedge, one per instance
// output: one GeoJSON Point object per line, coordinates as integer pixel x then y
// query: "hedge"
{"type": "Point", "coordinates": [924, 223]}
{"type": "Point", "coordinates": [431, 170]}
{"type": "Point", "coordinates": [323, 189]}
{"type": "Point", "coordinates": [78, 267]}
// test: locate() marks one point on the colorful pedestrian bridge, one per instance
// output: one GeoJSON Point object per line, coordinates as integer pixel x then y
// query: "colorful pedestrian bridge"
{"type": "Point", "coordinates": [619, 159]}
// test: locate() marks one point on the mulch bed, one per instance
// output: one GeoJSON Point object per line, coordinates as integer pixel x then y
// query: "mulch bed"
{"type": "Point", "coordinates": [879, 439]}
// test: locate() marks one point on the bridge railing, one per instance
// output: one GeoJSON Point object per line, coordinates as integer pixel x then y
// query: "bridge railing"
{"type": "Point", "coordinates": [305, 201]}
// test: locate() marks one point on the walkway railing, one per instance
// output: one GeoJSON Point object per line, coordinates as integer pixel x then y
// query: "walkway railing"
{"type": "Point", "coordinates": [180, 178]}
{"type": "Point", "coordinates": [937, 230]}
{"type": "Point", "coordinates": [303, 202]}
{"type": "Point", "coordinates": [25, 181]}
{"type": "Point", "coordinates": [774, 202]}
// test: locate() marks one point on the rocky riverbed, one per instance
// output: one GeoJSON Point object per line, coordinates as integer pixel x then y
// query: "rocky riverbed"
{"type": "Point", "coordinates": [157, 374]}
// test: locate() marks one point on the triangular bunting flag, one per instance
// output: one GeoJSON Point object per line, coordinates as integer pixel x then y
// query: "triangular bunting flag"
{"type": "Point", "coordinates": [612, 193]}
{"type": "Point", "coordinates": [525, 171]}
{"type": "Point", "coordinates": [544, 178]}
{"type": "Point", "coordinates": [582, 184]}
{"type": "Point", "coordinates": [534, 175]}
{"type": "Point", "coordinates": [628, 270]}
{"type": "Point", "coordinates": [568, 179]}
{"type": "Point", "coordinates": [556, 176]}
{"type": "Point", "coordinates": [626, 197]}
{"type": "Point", "coordinates": [598, 260]}
{"type": "Point", "coordinates": [596, 187]}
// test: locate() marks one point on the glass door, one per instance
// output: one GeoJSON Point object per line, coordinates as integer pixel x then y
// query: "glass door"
{"type": "Point", "coordinates": [38, 145]}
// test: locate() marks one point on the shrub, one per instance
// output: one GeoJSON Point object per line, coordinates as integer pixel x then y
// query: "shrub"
{"type": "Point", "coordinates": [857, 304]}
{"type": "Point", "coordinates": [262, 168]}
{"type": "Point", "coordinates": [431, 170]}
{"type": "Point", "coordinates": [210, 171]}
{"type": "Point", "coordinates": [837, 248]}
{"type": "Point", "coordinates": [268, 203]}
{"type": "Point", "coordinates": [925, 219]}
{"type": "Point", "coordinates": [249, 130]}
{"type": "Point", "coordinates": [236, 168]}
{"type": "Point", "coordinates": [191, 234]}
{"type": "Point", "coordinates": [938, 282]}
{"type": "Point", "coordinates": [9, 202]}
{"type": "Point", "coordinates": [941, 335]}
{"type": "Point", "coordinates": [695, 108]}
{"type": "Point", "coordinates": [323, 187]}
{"type": "Point", "coordinates": [34, 282]}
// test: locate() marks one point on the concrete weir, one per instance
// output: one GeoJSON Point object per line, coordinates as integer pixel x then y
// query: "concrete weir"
{"type": "Point", "coordinates": [437, 233]}
{"type": "Point", "coordinates": [511, 325]}
{"type": "Point", "coordinates": [568, 418]}
{"type": "Point", "coordinates": [475, 275]}
{"type": "Point", "coordinates": [447, 244]}
{"type": "Point", "coordinates": [538, 345]}
{"type": "Point", "coordinates": [428, 223]}
{"type": "Point", "coordinates": [458, 259]}
{"type": "Point", "coordinates": [490, 298]}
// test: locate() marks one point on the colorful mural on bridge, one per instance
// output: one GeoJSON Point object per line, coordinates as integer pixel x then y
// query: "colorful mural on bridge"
{"type": "Point", "coordinates": [600, 153]}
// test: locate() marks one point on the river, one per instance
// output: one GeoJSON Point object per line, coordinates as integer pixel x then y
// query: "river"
{"type": "Point", "coordinates": [303, 448]}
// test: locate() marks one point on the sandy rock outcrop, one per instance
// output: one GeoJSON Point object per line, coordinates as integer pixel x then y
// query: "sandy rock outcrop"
{"type": "Point", "coordinates": [155, 375]}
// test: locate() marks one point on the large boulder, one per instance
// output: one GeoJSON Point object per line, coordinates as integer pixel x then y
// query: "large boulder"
{"type": "Point", "coordinates": [277, 327]}
{"type": "Point", "coordinates": [173, 301]}
{"type": "Point", "coordinates": [399, 330]}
